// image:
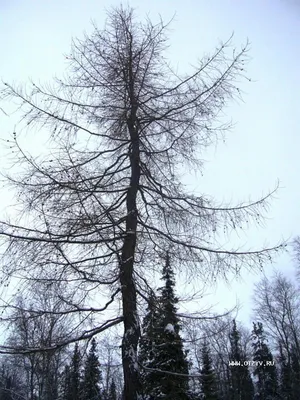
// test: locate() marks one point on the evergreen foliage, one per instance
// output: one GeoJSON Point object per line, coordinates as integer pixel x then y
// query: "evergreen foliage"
{"type": "Point", "coordinates": [147, 345]}
{"type": "Point", "coordinates": [285, 375]}
{"type": "Point", "coordinates": [73, 376]}
{"type": "Point", "coordinates": [66, 385]}
{"type": "Point", "coordinates": [112, 391]}
{"type": "Point", "coordinates": [6, 385]}
{"type": "Point", "coordinates": [92, 375]}
{"type": "Point", "coordinates": [295, 364]}
{"type": "Point", "coordinates": [266, 375]}
{"type": "Point", "coordinates": [289, 372]}
{"type": "Point", "coordinates": [208, 378]}
{"type": "Point", "coordinates": [161, 348]}
{"type": "Point", "coordinates": [241, 381]}
{"type": "Point", "coordinates": [10, 388]}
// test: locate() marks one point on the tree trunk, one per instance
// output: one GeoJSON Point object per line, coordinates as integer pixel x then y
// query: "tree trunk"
{"type": "Point", "coordinates": [131, 323]}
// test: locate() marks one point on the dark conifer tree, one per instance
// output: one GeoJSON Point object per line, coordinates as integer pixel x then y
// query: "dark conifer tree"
{"type": "Point", "coordinates": [10, 388]}
{"type": "Point", "coordinates": [91, 375]}
{"type": "Point", "coordinates": [112, 391]}
{"type": "Point", "coordinates": [161, 345]}
{"type": "Point", "coordinates": [208, 378]}
{"type": "Point", "coordinates": [285, 375]}
{"type": "Point", "coordinates": [5, 385]}
{"type": "Point", "coordinates": [147, 345]}
{"type": "Point", "coordinates": [226, 383]}
{"type": "Point", "coordinates": [241, 381]}
{"type": "Point", "coordinates": [295, 373]}
{"type": "Point", "coordinates": [266, 375]}
{"type": "Point", "coordinates": [66, 385]}
{"type": "Point", "coordinates": [73, 376]}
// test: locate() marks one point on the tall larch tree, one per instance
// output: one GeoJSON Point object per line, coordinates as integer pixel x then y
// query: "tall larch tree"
{"type": "Point", "coordinates": [107, 195]}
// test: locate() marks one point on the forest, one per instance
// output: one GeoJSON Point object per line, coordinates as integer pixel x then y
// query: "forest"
{"type": "Point", "coordinates": [105, 233]}
{"type": "Point", "coordinates": [216, 358]}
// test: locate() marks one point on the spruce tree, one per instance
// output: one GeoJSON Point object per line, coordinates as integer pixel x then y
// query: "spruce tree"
{"type": "Point", "coordinates": [295, 373]}
{"type": "Point", "coordinates": [66, 385]}
{"type": "Point", "coordinates": [112, 395]}
{"type": "Point", "coordinates": [8, 389]}
{"type": "Point", "coordinates": [285, 375]}
{"type": "Point", "coordinates": [266, 375]}
{"type": "Point", "coordinates": [91, 375]}
{"type": "Point", "coordinates": [241, 381]}
{"type": "Point", "coordinates": [208, 378]}
{"type": "Point", "coordinates": [147, 345]}
{"type": "Point", "coordinates": [161, 347]}
{"type": "Point", "coordinates": [73, 376]}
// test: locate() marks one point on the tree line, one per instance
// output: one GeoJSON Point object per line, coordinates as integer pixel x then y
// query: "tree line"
{"type": "Point", "coordinates": [215, 359]}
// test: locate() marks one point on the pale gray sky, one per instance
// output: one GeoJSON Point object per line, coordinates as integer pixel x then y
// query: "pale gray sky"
{"type": "Point", "coordinates": [263, 146]}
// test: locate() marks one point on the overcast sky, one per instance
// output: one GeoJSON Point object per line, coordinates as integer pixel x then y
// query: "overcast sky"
{"type": "Point", "coordinates": [265, 143]}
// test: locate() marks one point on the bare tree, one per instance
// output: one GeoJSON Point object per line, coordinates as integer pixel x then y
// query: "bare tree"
{"type": "Point", "coordinates": [296, 255]}
{"type": "Point", "coordinates": [110, 358]}
{"type": "Point", "coordinates": [216, 333]}
{"type": "Point", "coordinates": [31, 327]}
{"type": "Point", "coordinates": [276, 302]}
{"type": "Point", "coordinates": [107, 201]}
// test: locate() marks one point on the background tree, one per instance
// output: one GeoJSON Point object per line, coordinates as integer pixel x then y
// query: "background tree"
{"type": "Point", "coordinates": [215, 330]}
{"type": "Point", "coordinates": [266, 375]}
{"type": "Point", "coordinates": [147, 343]}
{"type": "Point", "coordinates": [161, 345]}
{"type": "Point", "coordinates": [217, 333]}
{"type": "Point", "coordinates": [208, 378]}
{"type": "Point", "coordinates": [295, 366]}
{"type": "Point", "coordinates": [107, 196]}
{"type": "Point", "coordinates": [92, 376]}
{"type": "Point", "coordinates": [30, 327]}
{"type": "Point", "coordinates": [112, 395]}
{"type": "Point", "coordinates": [11, 387]}
{"type": "Point", "coordinates": [110, 354]}
{"type": "Point", "coordinates": [241, 381]}
{"type": "Point", "coordinates": [73, 391]}
{"type": "Point", "coordinates": [66, 383]}
{"type": "Point", "coordinates": [286, 374]}
{"type": "Point", "coordinates": [277, 302]}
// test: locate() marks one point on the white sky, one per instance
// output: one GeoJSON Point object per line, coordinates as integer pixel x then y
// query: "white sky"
{"type": "Point", "coordinates": [263, 146]}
